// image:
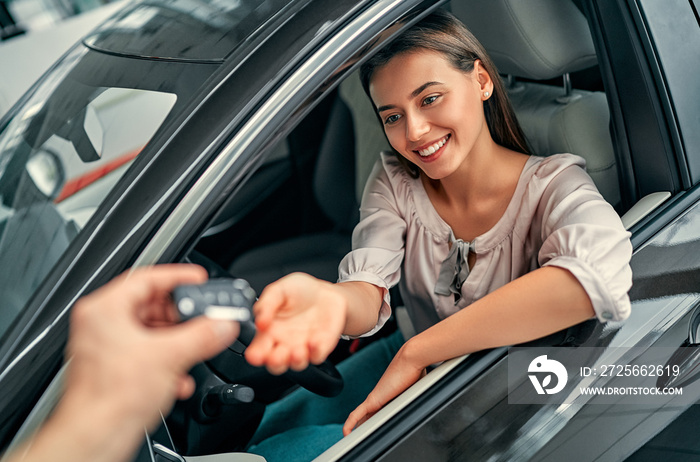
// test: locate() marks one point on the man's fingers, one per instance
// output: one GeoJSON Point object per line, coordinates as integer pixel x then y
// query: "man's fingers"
{"type": "Point", "coordinates": [198, 339]}
{"type": "Point", "coordinates": [147, 290]}
{"type": "Point", "coordinates": [185, 387]}
{"type": "Point", "coordinates": [160, 279]}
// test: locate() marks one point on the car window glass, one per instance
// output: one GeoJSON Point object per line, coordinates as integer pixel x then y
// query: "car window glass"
{"type": "Point", "coordinates": [180, 29]}
{"type": "Point", "coordinates": [117, 137]}
{"type": "Point", "coordinates": [60, 154]}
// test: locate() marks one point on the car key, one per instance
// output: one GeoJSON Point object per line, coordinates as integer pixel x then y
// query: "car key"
{"type": "Point", "coordinates": [227, 299]}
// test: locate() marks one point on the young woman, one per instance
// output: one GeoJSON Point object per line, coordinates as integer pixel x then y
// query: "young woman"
{"type": "Point", "coordinates": [490, 246]}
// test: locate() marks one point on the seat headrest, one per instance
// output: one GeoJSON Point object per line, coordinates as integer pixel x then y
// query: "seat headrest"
{"type": "Point", "coordinates": [534, 39]}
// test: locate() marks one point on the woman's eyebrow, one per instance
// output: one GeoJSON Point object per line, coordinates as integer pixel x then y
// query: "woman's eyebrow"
{"type": "Point", "coordinates": [414, 93]}
{"type": "Point", "coordinates": [420, 89]}
{"type": "Point", "coordinates": [385, 108]}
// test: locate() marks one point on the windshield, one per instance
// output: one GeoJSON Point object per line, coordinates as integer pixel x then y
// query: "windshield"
{"type": "Point", "coordinates": [65, 148]}
{"type": "Point", "coordinates": [60, 155]}
{"type": "Point", "coordinates": [182, 29]}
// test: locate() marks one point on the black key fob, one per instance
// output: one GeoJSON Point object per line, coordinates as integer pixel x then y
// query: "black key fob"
{"type": "Point", "coordinates": [229, 299]}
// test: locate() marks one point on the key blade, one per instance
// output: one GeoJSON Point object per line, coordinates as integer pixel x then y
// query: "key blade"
{"type": "Point", "coordinates": [227, 313]}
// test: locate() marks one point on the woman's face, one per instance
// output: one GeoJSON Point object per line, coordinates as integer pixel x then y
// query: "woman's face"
{"type": "Point", "coordinates": [432, 113]}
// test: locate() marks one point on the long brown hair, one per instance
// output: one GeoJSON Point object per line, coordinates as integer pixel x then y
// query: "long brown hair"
{"type": "Point", "coordinates": [444, 33]}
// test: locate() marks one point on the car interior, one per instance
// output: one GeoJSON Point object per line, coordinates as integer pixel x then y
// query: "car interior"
{"type": "Point", "coordinates": [556, 93]}
{"type": "Point", "coordinates": [302, 204]}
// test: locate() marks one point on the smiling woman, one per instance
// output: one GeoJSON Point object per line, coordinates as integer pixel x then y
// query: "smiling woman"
{"type": "Point", "coordinates": [462, 52]}
{"type": "Point", "coordinates": [490, 246]}
{"type": "Point", "coordinates": [410, 106]}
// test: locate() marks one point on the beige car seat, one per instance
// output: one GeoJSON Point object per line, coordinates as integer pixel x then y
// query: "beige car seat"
{"type": "Point", "coordinates": [554, 119]}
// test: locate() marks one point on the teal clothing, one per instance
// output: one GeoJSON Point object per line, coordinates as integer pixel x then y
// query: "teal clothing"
{"type": "Point", "coordinates": [302, 425]}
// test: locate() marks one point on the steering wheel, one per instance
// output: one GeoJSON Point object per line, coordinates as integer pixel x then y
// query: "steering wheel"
{"type": "Point", "coordinates": [323, 379]}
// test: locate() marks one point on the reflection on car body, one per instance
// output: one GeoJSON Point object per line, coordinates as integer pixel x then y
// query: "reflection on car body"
{"type": "Point", "coordinates": [235, 135]}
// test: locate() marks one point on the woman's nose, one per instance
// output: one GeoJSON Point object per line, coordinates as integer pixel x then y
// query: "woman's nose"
{"type": "Point", "coordinates": [416, 127]}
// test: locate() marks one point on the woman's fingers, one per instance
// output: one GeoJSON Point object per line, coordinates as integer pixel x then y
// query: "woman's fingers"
{"type": "Point", "coordinates": [278, 361]}
{"type": "Point", "coordinates": [357, 417]}
{"type": "Point", "coordinates": [280, 354]}
{"type": "Point", "coordinates": [271, 301]}
{"type": "Point", "coordinates": [299, 321]}
{"type": "Point", "coordinates": [396, 379]}
{"type": "Point", "coordinates": [299, 358]}
{"type": "Point", "coordinates": [259, 349]}
{"type": "Point", "coordinates": [276, 356]}
{"type": "Point", "coordinates": [351, 422]}
{"type": "Point", "coordinates": [320, 347]}
{"type": "Point", "coordinates": [288, 295]}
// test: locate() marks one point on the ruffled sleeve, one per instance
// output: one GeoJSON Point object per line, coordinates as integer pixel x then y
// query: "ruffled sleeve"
{"type": "Point", "coordinates": [378, 239]}
{"type": "Point", "coordinates": [583, 234]}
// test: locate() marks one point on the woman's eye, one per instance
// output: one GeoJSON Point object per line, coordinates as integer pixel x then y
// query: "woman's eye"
{"type": "Point", "coordinates": [391, 119]}
{"type": "Point", "coordinates": [430, 100]}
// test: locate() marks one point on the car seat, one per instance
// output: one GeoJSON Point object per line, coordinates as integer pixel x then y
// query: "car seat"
{"type": "Point", "coordinates": [370, 139]}
{"type": "Point", "coordinates": [334, 187]}
{"type": "Point", "coordinates": [542, 40]}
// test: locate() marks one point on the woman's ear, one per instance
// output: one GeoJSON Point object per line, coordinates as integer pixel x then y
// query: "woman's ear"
{"type": "Point", "coordinates": [484, 80]}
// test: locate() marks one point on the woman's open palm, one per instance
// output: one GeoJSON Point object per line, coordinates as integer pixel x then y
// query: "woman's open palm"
{"type": "Point", "coordinates": [299, 320]}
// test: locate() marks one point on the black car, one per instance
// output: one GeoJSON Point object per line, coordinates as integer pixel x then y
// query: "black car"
{"type": "Point", "coordinates": [236, 135]}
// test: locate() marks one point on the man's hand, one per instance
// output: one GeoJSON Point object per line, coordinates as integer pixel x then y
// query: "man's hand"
{"type": "Point", "coordinates": [129, 361]}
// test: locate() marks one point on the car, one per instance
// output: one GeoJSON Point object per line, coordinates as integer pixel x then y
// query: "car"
{"type": "Point", "coordinates": [236, 135]}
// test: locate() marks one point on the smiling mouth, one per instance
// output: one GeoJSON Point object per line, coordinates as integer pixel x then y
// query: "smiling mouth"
{"type": "Point", "coordinates": [433, 148]}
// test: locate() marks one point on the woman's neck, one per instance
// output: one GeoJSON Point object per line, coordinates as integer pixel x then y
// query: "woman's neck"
{"type": "Point", "coordinates": [485, 173]}
{"type": "Point", "coordinates": [474, 197]}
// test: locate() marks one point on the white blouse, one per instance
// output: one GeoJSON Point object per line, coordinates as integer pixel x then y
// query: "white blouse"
{"type": "Point", "coordinates": [555, 217]}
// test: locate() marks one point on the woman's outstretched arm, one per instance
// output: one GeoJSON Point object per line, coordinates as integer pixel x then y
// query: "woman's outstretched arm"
{"type": "Point", "coordinates": [539, 303]}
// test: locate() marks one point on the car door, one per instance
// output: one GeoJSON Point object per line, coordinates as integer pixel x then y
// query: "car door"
{"type": "Point", "coordinates": [648, 60]}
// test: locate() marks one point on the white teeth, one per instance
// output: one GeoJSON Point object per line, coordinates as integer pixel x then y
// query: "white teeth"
{"type": "Point", "coordinates": [431, 149]}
